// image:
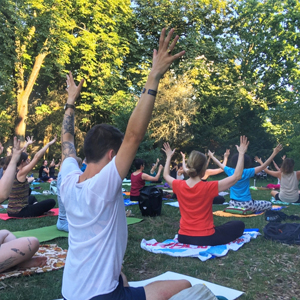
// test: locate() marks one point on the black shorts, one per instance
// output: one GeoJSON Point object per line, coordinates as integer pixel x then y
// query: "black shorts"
{"type": "Point", "coordinates": [123, 293]}
{"type": "Point", "coordinates": [277, 198]}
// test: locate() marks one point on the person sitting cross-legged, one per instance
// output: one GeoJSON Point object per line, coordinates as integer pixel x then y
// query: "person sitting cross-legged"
{"type": "Point", "coordinates": [16, 252]}
{"type": "Point", "coordinates": [289, 181]}
{"type": "Point", "coordinates": [93, 199]}
{"type": "Point", "coordinates": [20, 203]}
{"type": "Point", "coordinates": [196, 197]}
{"type": "Point", "coordinates": [240, 195]}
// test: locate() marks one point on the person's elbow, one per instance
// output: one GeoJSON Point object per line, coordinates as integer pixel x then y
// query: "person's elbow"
{"type": "Point", "coordinates": [134, 137]}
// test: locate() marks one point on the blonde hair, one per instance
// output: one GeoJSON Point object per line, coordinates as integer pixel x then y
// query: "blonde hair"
{"type": "Point", "coordinates": [196, 164]}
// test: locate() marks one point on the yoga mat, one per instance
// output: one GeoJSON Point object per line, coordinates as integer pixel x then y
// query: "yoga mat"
{"type": "Point", "coordinates": [282, 203]}
{"type": "Point", "coordinates": [54, 210]}
{"type": "Point", "coordinates": [131, 220]}
{"type": "Point", "coordinates": [173, 248]}
{"type": "Point", "coordinates": [176, 204]}
{"type": "Point", "coordinates": [56, 257]}
{"type": "Point", "coordinates": [127, 202]}
{"type": "Point", "coordinates": [43, 234]}
{"type": "Point", "coordinates": [48, 233]}
{"type": "Point", "coordinates": [216, 289]}
{"type": "Point", "coordinates": [221, 213]}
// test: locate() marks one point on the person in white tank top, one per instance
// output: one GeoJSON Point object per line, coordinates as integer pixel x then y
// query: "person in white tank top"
{"type": "Point", "coordinates": [289, 181]}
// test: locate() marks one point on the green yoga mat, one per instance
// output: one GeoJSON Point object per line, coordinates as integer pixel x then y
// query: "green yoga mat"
{"type": "Point", "coordinates": [51, 232]}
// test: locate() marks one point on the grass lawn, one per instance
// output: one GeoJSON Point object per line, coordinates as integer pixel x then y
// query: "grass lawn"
{"type": "Point", "coordinates": [261, 268]}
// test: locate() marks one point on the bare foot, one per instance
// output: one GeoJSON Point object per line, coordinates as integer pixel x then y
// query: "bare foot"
{"type": "Point", "coordinates": [36, 261]}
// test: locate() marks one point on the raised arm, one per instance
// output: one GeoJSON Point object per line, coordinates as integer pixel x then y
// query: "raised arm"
{"type": "Point", "coordinates": [215, 160]}
{"type": "Point", "coordinates": [27, 169]}
{"type": "Point", "coordinates": [212, 172]}
{"type": "Point", "coordinates": [151, 178]}
{"type": "Point", "coordinates": [185, 169]}
{"type": "Point", "coordinates": [139, 120]}
{"type": "Point", "coordinates": [228, 182]}
{"type": "Point", "coordinates": [154, 166]}
{"type": "Point", "coordinates": [269, 160]}
{"type": "Point", "coordinates": [68, 125]}
{"type": "Point", "coordinates": [275, 165]}
{"type": "Point", "coordinates": [169, 153]}
{"type": "Point", "coordinates": [1, 149]}
{"type": "Point", "coordinates": [8, 177]}
{"type": "Point", "coordinates": [29, 141]}
{"type": "Point", "coordinates": [272, 173]}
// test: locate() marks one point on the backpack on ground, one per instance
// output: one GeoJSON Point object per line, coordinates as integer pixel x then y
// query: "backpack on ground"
{"type": "Point", "coordinates": [278, 216]}
{"type": "Point", "coordinates": [287, 233]}
{"type": "Point", "coordinates": [150, 202]}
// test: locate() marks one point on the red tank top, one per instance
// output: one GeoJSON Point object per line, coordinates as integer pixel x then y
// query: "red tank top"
{"type": "Point", "coordinates": [136, 184]}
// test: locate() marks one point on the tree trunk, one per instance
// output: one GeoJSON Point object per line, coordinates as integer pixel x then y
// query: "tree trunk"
{"type": "Point", "coordinates": [23, 96]}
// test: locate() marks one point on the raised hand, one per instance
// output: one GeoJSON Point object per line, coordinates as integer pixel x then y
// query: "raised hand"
{"type": "Point", "coordinates": [257, 159]}
{"type": "Point", "coordinates": [157, 160]}
{"type": "Point", "coordinates": [162, 59]}
{"type": "Point", "coordinates": [243, 145]}
{"type": "Point", "coordinates": [17, 149]}
{"type": "Point", "coordinates": [210, 154]}
{"type": "Point", "coordinates": [160, 167]}
{"type": "Point", "coordinates": [283, 157]}
{"type": "Point", "coordinates": [1, 148]}
{"type": "Point", "coordinates": [167, 149]}
{"type": "Point", "coordinates": [227, 153]}
{"type": "Point", "coordinates": [29, 140]}
{"type": "Point", "coordinates": [278, 148]}
{"type": "Point", "coordinates": [53, 141]}
{"type": "Point", "coordinates": [183, 156]}
{"type": "Point", "coordinates": [72, 89]}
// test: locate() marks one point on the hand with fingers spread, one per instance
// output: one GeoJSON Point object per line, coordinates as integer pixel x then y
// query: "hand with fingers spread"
{"type": "Point", "coordinates": [162, 59]}
{"type": "Point", "coordinates": [29, 140]}
{"type": "Point", "coordinates": [167, 149]}
{"type": "Point", "coordinates": [17, 149]}
{"type": "Point", "coordinates": [72, 89]}
{"type": "Point", "coordinates": [244, 143]}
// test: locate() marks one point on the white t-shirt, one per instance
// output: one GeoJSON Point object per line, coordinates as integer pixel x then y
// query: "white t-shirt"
{"type": "Point", "coordinates": [97, 231]}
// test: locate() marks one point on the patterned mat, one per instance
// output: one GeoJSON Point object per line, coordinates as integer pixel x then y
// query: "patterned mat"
{"type": "Point", "coordinates": [56, 258]}
{"type": "Point", "coordinates": [173, 248]}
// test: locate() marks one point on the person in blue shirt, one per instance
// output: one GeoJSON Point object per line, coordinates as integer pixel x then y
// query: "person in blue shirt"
{"type": "Point", "coordinates": [240, 195]}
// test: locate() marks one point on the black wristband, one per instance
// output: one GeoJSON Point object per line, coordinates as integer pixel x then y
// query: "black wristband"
{"type": "Point", "coordinates": [152, 93]}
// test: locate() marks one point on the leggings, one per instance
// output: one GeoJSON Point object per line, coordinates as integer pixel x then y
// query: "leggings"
{"type": "Point", "coordinates": [255, 205]}
{"type": "Point", "coordinates": [224, 234]}
{"type": "Point", "coordinates": [35, 210]}
{"type": "Point", "coordinates": [45, 178]}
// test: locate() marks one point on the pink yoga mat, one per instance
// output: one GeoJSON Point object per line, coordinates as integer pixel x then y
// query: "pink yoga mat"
{"type": "Point", "coordinates": [54, 210]}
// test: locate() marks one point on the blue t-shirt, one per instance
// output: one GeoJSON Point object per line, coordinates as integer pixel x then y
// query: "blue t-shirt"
{"type": "Point", "coordinates": [241, 190]}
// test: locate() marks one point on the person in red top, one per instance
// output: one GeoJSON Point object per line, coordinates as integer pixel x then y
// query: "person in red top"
{"type": "Point", "coordinates": [196, 197]}
{"type": "Point", "coordinates": [138, 179]}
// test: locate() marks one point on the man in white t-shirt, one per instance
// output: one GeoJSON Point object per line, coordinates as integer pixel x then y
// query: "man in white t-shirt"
{"type": "Point", "coordinates": [93, 199]}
